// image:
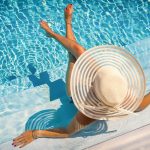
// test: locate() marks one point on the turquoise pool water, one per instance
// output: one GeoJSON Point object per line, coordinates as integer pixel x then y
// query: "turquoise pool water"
{"type": "Point", "coordinates": [120, 22]}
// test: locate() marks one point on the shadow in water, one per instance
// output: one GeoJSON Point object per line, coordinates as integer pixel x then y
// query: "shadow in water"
{"type": "Point", "coordinates": [52, 118]}
{"type": "Point", "coordinates": [10, 78]}
{"type": "Point", "coordinates": [60, 118]}
{"type": "Point", "coordinates": [95, 128]}
{"type": "Point", "coordinates": [57, 88]}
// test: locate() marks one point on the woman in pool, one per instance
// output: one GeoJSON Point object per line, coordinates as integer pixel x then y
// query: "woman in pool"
{"type": "Point", "coordinates": [80, 121]}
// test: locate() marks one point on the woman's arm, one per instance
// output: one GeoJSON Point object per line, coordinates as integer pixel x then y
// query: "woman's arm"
{"type": "Point", "coordinates": [144, 103]}
{"type": "Point", "coordinates": [79, 122]}
{"type": "Point", "coordinates": [56, 133]}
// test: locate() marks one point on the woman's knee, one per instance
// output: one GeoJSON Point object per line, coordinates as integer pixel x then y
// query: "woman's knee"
{"type": "Point", "coordinates": [79, 51]}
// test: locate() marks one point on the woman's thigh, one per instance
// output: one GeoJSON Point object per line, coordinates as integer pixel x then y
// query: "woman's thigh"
{"type": "Point", "coordinates": [145, 103]}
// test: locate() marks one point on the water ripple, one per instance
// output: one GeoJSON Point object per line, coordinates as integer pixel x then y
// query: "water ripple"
{"type": "Point", "coordinates": [95, 22]}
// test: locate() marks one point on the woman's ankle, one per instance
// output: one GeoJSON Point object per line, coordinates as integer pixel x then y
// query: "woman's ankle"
{"type": "Point", "coordinates": [68, 21]}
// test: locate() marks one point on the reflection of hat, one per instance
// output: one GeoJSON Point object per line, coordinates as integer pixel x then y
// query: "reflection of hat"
{"type": "Point", "coordinates": [107, 82]}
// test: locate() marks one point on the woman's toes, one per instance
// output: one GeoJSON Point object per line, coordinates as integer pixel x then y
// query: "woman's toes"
{"type": "Point", "coordinates": [68, 6]}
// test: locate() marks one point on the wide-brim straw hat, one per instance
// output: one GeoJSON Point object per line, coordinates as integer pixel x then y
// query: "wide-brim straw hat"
{"type": "Point", "coordinates": [99, 99]}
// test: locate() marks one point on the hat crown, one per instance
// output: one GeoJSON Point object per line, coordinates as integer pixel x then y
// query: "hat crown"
{"type": "Point", "coordinates": [110, 86]}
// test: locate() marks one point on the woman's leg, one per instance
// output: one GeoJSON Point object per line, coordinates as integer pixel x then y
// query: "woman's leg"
{"type": "Point", "coordinates": [70, 35]}
{"type": "Point", "coordinates": [68, 20]}
{"type": "Point", "coordinates": [73, 47]}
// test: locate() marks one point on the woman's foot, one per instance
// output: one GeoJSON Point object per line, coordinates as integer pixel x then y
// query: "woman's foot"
{"type": "Point", "coordinates": [68, 13]}
{"type": "Point", "coordinates": [45, 26]}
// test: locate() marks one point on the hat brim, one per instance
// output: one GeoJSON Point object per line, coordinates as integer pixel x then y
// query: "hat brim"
{"type": "Point", "coordinates": [83, 75]}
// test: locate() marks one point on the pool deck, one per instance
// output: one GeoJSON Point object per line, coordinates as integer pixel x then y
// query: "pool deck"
{"type": "Point", "coordinates": [134, 140]}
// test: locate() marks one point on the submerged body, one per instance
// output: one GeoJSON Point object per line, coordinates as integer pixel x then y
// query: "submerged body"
{"type": "Point", "coordinates": [80, 121]}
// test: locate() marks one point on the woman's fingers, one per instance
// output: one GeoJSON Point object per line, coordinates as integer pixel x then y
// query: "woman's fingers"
{"type": "Point", "coordinates": [24, 139]}
{"type": "Point", "coordinates": [24, 144]}
{"type": "Point", "coordinates": [18, 141]}
{"type": "Point", "coordinates": [18, 137]}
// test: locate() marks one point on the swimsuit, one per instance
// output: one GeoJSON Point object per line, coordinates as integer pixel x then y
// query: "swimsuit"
{"type": "Point", "coordinates": [75, 126]}
{"type": "Point", "coordinates": [70, 97]}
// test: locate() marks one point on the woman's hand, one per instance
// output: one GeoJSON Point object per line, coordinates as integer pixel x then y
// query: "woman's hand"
{"type": "Point", "coordinates": [24, 139]}
{"type": "Point", "coordinates": [44, 25]}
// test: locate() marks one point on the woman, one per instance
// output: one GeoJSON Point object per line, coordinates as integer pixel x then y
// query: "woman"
{"type": "Point", "coordinates": [80, 120]}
